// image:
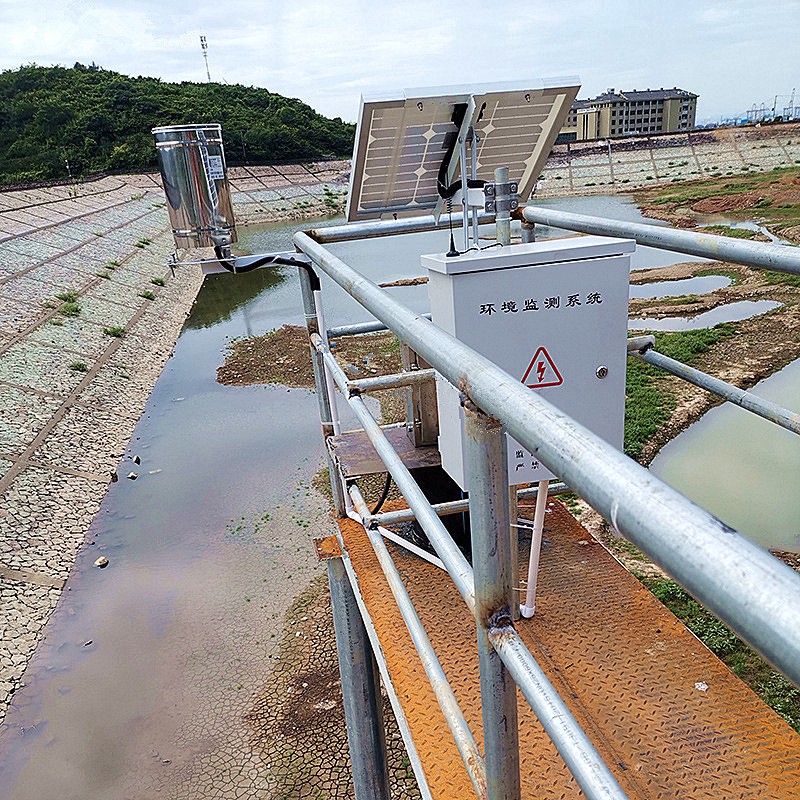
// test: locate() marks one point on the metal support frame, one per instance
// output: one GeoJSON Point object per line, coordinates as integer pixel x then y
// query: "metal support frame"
{"type": "Point", "coordinates": [762, 255]}
{"type": "Point", "coordinates": [754, 593]}
{"type": "Point", "coordinates": [486, 455]}
{"type": "Point", "coordinates": [321, 384]}
{"type": "Point", "coordinates": [641, 347]}
{"type": "Point", "coordinates": [363, 711]}
{"type": "Point", "coordinates": [453, 715]}
{"type": "Point", "coordinates": [574, 746]}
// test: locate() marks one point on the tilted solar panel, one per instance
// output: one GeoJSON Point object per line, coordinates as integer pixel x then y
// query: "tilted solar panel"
{"type": "Point", "coordinates": [401, 142]}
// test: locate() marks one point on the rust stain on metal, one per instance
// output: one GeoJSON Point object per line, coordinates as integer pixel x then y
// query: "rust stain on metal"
{"type": "Point", "coordinates": [327, 547]}
{"type": "Point", "coordinates": [626, 667]}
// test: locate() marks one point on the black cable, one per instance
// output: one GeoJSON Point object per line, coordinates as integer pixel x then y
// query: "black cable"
{"type": "Point", "coordinates": [384, 494]}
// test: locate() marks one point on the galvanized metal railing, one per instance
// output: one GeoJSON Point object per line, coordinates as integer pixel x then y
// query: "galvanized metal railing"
{"type": "Point", "coordinates": [752, 592]}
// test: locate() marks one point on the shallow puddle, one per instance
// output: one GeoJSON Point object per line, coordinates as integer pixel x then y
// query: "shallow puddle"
{"type": "Point", "coordinates": [731, 312]}
{"type": "Point", "coordinates": [741, 467]}
{"type": "Point", "coordinates": [700, 285]}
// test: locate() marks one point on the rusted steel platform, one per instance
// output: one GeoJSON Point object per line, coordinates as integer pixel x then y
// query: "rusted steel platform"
{"type": "Point", "coordinates": [668, 717]}
{"type": "Point", "coordinates": [355, 456]}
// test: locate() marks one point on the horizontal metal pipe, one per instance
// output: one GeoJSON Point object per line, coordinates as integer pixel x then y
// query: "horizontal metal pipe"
{"type": "Point", "coordinates": [453, 559]}
{"type": "Point", "coordinates": [762, 255]}
{"type": "Point", "coordinates": [387, 227]}
{"type": "Point", "coordinates": [453, 715]}
{"type": "Point", "coordinates": [359, 328]}
{"type": "Point", "coordinates": [747, 400]}
{"type": "Point", "coordinates": [574, 746]}
{"type": "Point", "coordinates": [379, 382]}
{"type": "Point", "coordinates": [746, 587]}
{"type": "Point", "coordinates": [459, 506]}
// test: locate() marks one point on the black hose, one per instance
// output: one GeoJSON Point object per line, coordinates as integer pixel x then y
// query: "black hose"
{"type": "Point", "coordinates": [384, 494]}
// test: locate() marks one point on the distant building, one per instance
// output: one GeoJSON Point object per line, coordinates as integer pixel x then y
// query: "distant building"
{"type": "Point", "coordinates": [629, 113]}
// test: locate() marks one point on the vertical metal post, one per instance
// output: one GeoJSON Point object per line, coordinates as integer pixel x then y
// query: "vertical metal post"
{"type": "Point", "coordinates": [486, 455]}
{"type": "Point", "coordinates": [474, 176]}
{"type": "Point", "coordinates": [502, 199]}
{"type": "Point", "coordinates": [528, 232]}
{"type": "Point", "coordinates": [464, 190]}
{"type": "Point", "coordinates": [323, 397]}
{"type": "Point", "coordinates": [363, 713]}
{"type": "Point", "coordinates": [513, 552]}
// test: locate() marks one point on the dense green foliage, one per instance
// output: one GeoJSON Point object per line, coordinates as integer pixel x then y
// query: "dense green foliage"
{"type": "Point", "coordinates": [100, 121]}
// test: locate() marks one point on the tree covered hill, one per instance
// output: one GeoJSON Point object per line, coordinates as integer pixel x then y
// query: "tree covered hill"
{"type": "Point", "coordinates": [100, 120]}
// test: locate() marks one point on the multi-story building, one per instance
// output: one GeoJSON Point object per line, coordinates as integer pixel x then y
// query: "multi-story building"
{"type": "Point", "coordinates": [629, 113]}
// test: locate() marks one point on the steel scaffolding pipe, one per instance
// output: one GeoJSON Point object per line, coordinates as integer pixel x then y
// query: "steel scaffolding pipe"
{"type": "Point", "coordinates": [459, 506]}
{"type": "Point", "coordinates": [453, 715]}
{"type": "Point", "coordinates": [762, 255]}
{"type": "Point", "coordinates": [574, 746]}
{"type": "Point", "coordinates": [359, 328]}
{"type": "Point", "coordinates": [389, 227]}
{"type": "Point", "coordinates": [740, 397]}
{"type": "Point", "coordinates": [753, 592]}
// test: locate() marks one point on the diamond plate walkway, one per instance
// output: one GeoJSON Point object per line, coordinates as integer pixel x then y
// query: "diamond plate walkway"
{"type": "Point", "coordinates": [667, 716]}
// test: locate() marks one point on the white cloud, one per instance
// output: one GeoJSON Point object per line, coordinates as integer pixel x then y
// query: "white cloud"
{"type": "Point", "coordinates": [732, 53]}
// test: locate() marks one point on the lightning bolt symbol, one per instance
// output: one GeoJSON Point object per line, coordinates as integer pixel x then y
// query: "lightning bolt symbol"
{"type": "Point", "coordinates": [541, 367]}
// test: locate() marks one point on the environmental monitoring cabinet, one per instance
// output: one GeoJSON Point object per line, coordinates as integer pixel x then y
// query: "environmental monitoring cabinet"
{"type": "Point", "coordinates": [552, 313]}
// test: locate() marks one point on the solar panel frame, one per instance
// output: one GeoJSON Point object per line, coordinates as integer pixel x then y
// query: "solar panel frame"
{"type": "Point", "coordinates": [402, 140]}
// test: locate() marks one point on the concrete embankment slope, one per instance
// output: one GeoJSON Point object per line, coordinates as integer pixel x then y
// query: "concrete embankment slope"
{"type": "Point", "coordinates": [622, 165]}
{"type": "Point", "coordinates": [88, 316]}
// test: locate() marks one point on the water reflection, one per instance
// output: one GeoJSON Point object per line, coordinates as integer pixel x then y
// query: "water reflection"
{"type": "Point", "coordinates": [222, 295]}
{"type": "Point", "coordinates": [701, 285]}
{"type": "Point", "coordinates": [731, 312]}
{"type": "Point", "coordinates": [742, 468]}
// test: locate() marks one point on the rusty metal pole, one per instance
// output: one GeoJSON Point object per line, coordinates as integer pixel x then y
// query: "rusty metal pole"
{"type": "Point", "coordinates": [363, 711]}
{"type": "Point", "coordinates": [321, 384]}
{"type": "Point", "coordinates": [486, 455]}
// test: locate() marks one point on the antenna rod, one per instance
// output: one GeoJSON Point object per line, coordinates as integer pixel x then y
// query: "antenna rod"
{"type": "Point", "coordinates": [204, 48]}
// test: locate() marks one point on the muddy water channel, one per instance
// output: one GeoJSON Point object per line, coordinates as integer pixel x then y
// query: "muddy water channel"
{"type": "Point", "coordinates": [741, 467]}
{"type": "Point", "coordinates": [150, 667]}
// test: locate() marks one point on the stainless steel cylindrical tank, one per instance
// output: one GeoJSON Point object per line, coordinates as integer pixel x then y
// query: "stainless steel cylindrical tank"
{"type": "Point", "coordinates": [194, 173]}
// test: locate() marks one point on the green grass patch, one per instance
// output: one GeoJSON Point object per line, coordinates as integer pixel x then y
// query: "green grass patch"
{"type": "Point", "coordinates": [70, 310]}
{"type": "Point", "coordinates": [775, 690]}
{"type": "Point", "coordinates": [104, 274]}
{"type": "Point", "coordinates": [157, 281]}
{"type": "Point", "coordinates": [147, 294]}
{"type": "Point", "coordinates": [780, 278]}
{"type": "Point", "coordinates": [692, 191]}
{"type": "Point", "coordinates": [114, 330]}
{"type": "Point", "coordinates": [727, 230]}
{"type": "Point", "coordinates": [68, 297]}
{"type": "Point", "coordinates": [144, 242]}
{"type": "Point", "coordinates": [78, 366]}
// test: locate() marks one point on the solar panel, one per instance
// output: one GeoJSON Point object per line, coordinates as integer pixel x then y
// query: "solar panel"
{"type": "Point", "coordinates": [402, 141]}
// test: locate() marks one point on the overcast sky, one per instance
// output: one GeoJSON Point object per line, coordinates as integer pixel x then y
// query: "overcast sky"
{"type": "Point", "coordinates": [327, 53]}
